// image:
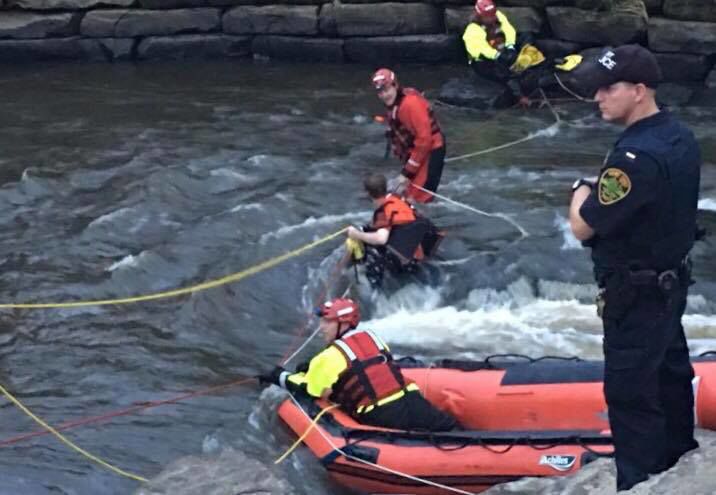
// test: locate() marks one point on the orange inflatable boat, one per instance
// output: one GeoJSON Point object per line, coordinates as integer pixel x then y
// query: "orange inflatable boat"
{"type": "Point", "coordinates": [540, 417]}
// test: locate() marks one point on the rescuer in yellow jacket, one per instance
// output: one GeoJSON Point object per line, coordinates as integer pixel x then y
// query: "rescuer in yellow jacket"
{"type": "Point", "coordinates": [357, 372]}
{"type": "Point", "coordinates": [493, 48]}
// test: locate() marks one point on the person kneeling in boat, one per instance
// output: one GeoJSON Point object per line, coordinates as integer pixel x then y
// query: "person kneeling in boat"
{"type": "Point", "coordinates": [396, 239]}
{"type": "Point", "coordinates": [357, 372]}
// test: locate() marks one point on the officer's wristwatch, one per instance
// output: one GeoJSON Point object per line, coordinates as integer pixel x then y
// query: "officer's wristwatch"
{"type": "Point", "coordinates": [581, 182]}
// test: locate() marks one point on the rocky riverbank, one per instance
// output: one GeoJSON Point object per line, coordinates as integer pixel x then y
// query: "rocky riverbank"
{"type": "Point", "coordinates": [682, 32]}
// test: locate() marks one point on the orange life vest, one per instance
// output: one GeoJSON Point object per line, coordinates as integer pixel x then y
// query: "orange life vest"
{"type": "Point", "coordinates": [371, 374]}
{"type": "Point", "coordinates": [394, 211]}
{"type": "Point", "coordinates": [402, 138]}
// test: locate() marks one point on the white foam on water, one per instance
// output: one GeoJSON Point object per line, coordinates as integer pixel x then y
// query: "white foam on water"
{"type": "Point", "coordinates": [230, 174]}
{"type": "Point", "coordinates": [707, 204]}
{"type": "Point", "coordinates": [110, 217]}
{"type": "Point", "coordinates": [126, 262]}
{"type": "Point", "coordinates": [569, 242]}
{"type": "Point", "coordinates": [538, 328]}
{"type": "Point", "coordinates": [560, 320]}
{"type": "Point", "coordinates": [247, 206]}
{"type": "Point", "coordinates": [312, 222]}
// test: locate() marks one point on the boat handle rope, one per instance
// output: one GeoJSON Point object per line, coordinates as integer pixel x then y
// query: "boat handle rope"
{"type": "Point", "coordinates": [305, 433]}
{"type": "Point", "coordinates": [378, 466]}
{"type": "Point", "coordinates": [68, 442]}
{"type": "Point", "coordinates": [210, 284]}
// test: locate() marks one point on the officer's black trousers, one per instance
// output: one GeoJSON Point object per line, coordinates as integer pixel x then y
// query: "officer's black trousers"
{"type": "Point", "coordinates": [411, 412]}
{"type": "Point", "coordinates": [647, 385]}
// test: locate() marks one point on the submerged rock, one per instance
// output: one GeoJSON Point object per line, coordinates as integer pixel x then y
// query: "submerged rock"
{"type": "Point", "coordinates": [475, 92]}
{"type": "Point", "coordinates": [230, 473]}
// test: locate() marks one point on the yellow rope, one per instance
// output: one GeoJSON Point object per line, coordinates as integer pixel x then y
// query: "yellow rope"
{"type": "Point", "coordinates": [68, 442]}
{"type": "Point", "coordinates": [184, 290]}
{"type": "Point", "coordinates": [305, 433]}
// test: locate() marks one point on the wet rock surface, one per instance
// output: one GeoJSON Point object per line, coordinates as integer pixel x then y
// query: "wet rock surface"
{"type": "Point", "coordinates": [695, 470]}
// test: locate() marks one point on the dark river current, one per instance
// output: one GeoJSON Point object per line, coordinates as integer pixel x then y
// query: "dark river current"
{"type": "Point", "coordinates": [125, 180]}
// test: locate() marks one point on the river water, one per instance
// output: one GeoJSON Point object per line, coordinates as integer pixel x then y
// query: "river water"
{"type": "Point", "coordinates": [120, 180]}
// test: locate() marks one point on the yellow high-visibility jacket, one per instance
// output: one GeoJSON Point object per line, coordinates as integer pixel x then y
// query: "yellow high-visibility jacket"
{"type": "Point", "coordinates": [477, 45]}
{"type": "Point", "coordinates": [325, 369]}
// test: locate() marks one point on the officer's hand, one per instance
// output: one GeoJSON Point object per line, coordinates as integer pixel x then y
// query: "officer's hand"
{"type": "Point", "coordinates": [272, 377]}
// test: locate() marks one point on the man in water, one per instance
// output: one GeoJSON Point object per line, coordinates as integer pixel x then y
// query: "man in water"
{"type": "Point", "coordinates": [414, 135]}
{"type": "Point", "coordinates": [397, 237]}
{"type": "Point", "coordinates": [357, 372]}
{"type": "Point", "coordinates": [639, 218]}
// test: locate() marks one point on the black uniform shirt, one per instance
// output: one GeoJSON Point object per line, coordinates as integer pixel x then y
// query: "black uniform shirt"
{"type": "Point", "coordinates": [623, 207]}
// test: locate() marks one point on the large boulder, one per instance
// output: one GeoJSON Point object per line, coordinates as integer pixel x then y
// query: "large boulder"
{"type": "Point", "coordinates": [25, 25]}
{"type": "Point", "coordinates": [538, 4]}
{"type": "Point", "coordinates": [272, 19]}
{"type": "Point", "coordinates": [711, 80]}
{"type": "Point", "coordinates": [690, 10]}
{"type": "Point", "coordinates": [200, 46]}
{"type": "Point", "coordinates": [171, 4]}
{"type": "Point", "coordinates": [525, 19]}
{"type": "Point", "coordinates": [388, 49]}
{"type": "Point", "coordinates": [116, 49]}
{"type": "Point", "coordinates": [653, 6]}
{"type": "Point", "coordinates": [666, 35]}
{"type": "Point", "coordinates": [66, 4]}
{"type": "Point", "coordinates": [135, 22]}
{"type": "Point", "coordinates": [299, 48]}
{"type": "Point", "coordinates": [384, 19]}
{"type": "Point", "coordinates": [596, 28]}
{"type": "Point", "coordinates": [475, 92]}
{"type": "Point", "coordinates": [674, 95]}
{"type": "Point", "coordinates": [683, 66]}
{"type": "Point", "coordinates": [557, 48]}
{"type": "Point", "coordinates": [28, 51]}
{"type": "Point", "coordinates": [234, 3]}
{"type": "Point", "coordinates": [704, 97]}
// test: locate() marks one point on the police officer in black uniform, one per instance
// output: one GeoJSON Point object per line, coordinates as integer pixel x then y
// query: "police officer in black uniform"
{"type": "Point", "coordinates": [639, 218]}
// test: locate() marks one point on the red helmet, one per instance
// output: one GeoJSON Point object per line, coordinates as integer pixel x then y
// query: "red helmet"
{"type": "Point", "coordinates": [485, 9]}
{"type": "Point", "coordinates": [342, 310]}
{"type": "Point", "coordinates": [383, 77]}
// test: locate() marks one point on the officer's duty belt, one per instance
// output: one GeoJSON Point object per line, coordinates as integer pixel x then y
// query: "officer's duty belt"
{"type": "Point", "coordinates": [654, 278]}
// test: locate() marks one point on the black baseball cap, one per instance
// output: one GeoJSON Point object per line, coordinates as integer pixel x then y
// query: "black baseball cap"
{"type": "Point", "coordinates": [626, 63]}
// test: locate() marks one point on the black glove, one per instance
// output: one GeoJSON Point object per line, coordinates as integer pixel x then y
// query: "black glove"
{"type": "Point", "coordinates": [272, 378]}
{"type": "Point", "coordinates": [303, 367]}
{"type": "Point", "coordinates": [507, 57]}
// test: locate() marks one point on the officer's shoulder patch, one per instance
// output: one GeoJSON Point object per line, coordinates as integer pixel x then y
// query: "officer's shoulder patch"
{"type": "Point", "coordinates": [614, 185]}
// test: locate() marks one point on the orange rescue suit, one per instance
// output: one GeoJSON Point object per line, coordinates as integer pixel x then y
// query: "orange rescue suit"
{"type": "Point", "coordinates": [414, 134]}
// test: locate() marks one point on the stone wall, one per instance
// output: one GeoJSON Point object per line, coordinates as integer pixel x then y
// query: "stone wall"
{"type": "Point", "coordinates": [683, 32]}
